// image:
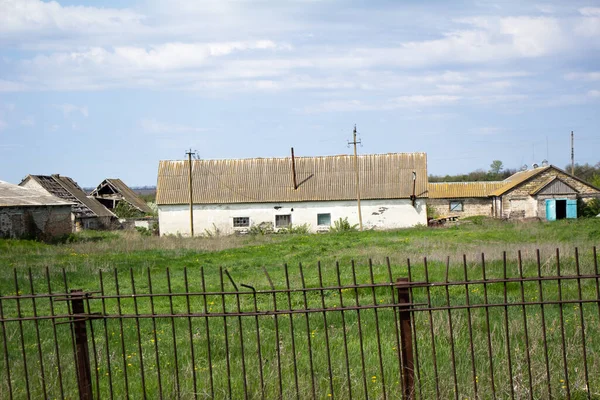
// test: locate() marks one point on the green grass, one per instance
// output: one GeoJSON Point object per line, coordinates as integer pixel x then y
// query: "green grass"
{"type": "Point", "coordinates": [121, 255]}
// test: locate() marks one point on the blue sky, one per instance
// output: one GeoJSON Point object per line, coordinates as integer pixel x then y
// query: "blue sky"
{"type": "Point", "coordinates": [108, 88]}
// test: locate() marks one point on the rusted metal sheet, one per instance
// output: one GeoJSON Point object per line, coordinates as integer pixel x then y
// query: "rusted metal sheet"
{"type": "Point", "coordinates": [259, 180]}
{"type": "Point", "coordinates": [455, 190]}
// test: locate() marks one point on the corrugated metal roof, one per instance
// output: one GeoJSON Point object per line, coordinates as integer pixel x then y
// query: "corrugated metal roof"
{"type": "Point", "coordinates": [518, 178]}
{"type": "Point", "coordinates": [455, 190]}
{"type": "Point", "coordinates": [118, 186]}
{"type": "Point", "coordinates": [67, 189]}
{"type": "Point", "coordinates": [382, 176]}
{"type": "Point", "coordinates": [17, 196]}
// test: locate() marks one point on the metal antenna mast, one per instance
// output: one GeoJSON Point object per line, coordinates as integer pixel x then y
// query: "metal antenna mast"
{"type": "Point", "coordinates": [355, 142]}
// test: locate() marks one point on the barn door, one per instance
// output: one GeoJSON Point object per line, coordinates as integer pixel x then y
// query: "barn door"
{"type": "Point", "coordinates": [571, 208]}
{"type": "Point", "coordinates": [551, 210]}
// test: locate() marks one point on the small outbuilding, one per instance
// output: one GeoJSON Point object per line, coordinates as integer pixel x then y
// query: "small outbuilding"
{"type": "Point", "coordinates": [112, 192]}
{"type": "Point", "coordinates": [30, 214]}
{"type": "Point", "coordinates": [462, 199]}
{"type": "Point", "coordinates": [235, 195]}
{"type": "Point", "coordinates": [86, 211]}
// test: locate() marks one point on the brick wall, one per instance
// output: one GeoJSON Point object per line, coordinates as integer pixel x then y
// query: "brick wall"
{"type": "Point", "coordinates": [471, 206]}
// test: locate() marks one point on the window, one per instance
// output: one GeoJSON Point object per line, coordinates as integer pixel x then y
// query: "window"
{"type": "Point", "coordinates": [324, 219]}
{"type": "Point", "coordinates": [456, 205]}
{"type": "Point", "coordinates": [283, 221]}
{"type": "Point", "coordinates": [241, 222]}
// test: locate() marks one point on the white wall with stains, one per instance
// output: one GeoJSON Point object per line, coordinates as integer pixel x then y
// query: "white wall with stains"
{"type": "Point", "coordinates": [376, 214]}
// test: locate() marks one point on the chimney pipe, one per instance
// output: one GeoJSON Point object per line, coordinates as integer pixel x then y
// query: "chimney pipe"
{"type": "Point", "coordinates": [294, 169]}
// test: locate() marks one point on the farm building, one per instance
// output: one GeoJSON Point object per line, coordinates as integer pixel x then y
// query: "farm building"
{"type": "Point", "coordinates": [545, 192]}
{"type": "Point", "coordinates": [462, 199]}
{"type": "Point", "coordinates": [111, 192]}
{"type": "Point", "coordinates": [86, 212]}
{"type": "Point", "coordinates": [235, 195]}
{"type": "Point", "coordinates": [27, 213]}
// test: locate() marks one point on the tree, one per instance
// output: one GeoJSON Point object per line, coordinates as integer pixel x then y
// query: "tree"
{"type": "Point", "coordinates": [496, 166]}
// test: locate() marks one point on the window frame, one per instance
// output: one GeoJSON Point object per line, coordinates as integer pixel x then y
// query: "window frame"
{"type": "Point", "coordinates": [328, 224]}
{"type": "Point", "coordinates": [459, 202]}
{"type": "Point", "coordinates": [241, 226]}
{"type": "Point", "coordinates": [289, 217]}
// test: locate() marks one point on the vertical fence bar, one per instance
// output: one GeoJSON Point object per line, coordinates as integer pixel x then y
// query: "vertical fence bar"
{"type": "Point", "coordinates": [94, 352]}
{"type": "Point", "coordinates": [396, 327]}
{"type": "Point", "coordinates": [37, 335]}
{"type": "Point", "coordinates": [562, 326]}
{"type": "Point", "coordinates": [326, 326]}
{"type": "Point", "coordinates": [470, 325]}
{"type": "Point", "coordinates": [506, 328]}
{"type": "Point", "coordinates": [122, 335]}
{"type": "Point", "coordinates": [105, 323]}
{"type": "Point", "coordinates": [451, 329]}
{"type": "Point", "coordinates": [239, 318]}
{"type": "Point", "coordinates": [23, 352]}
{"type": "Point", "coordinates": [71, 329]}
{"type": "Point", "coordinates": [377, 331]}
{"type": "Point", "coordinates": [139, 334]}
{"type": "Point", "coordinates": [277, 337]}
{"type": "Point", "coordinates": [543, 315]}
{"type": "Point", "coordinates": [174, 334]}
{"type": "Point", "coordinates": [414, 333]}
{"type": "Point", "coordinates": [187, 302]}
{"type": "Point", "coordinates": [525, 328]}
{"type": "Point", "coordinates": [582, 321]}
{"type": "Point", "coordinates": [225, 331]}
{"type": "Point", "coordinates": [155, 335]}
{"type": "Point", "coordinates": [308, 332]}
{"type": "Point", "coordinates": [406, 339]}
{"type": "Point", "coordinates": [487, 325]}
{"type": "Point", "coordinates": [292, 335]}
{"type": "Point", "coordinates": [5, 345]}
{"type": "Point", "coordinates": [431, 331]}
{"type": "Point", "coordinates": [258, 342]}
{"type": "Point", "coordinates": [84, 380]}
{"type": "Point", "coordinates": [207, 329]}
{"type": "Point", "coordinates": [360, 333]}
{"type": "Point", "coordinates": [344, 335]}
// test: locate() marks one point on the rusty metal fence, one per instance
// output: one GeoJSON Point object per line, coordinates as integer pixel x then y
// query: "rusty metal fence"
{"type": "Point", "coordinates": [521, 327]}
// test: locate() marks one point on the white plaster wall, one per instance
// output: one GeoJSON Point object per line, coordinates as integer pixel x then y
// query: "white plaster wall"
{"type": "Point", "coordinates": [376, 214]}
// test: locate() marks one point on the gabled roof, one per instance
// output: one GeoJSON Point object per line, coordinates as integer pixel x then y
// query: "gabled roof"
{"type": "Point", "coordinates": [556, 181]}
{"type": "Point", "coordinates": [118, 187]}
{"type": "Point", "coordinates": [524, 176]}
{"type": "Point", "coordinates": [456, 190]}
{"type": "Point", "coordinates": [17, 196]}
{"type": "Point", "coordinates": [67, 189]}
{"type": "Point", "coordinates": [260, 180]}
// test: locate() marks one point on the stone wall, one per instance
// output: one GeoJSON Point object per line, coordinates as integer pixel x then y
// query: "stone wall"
{"type": "Point", "coordinates": [39, 222]}
{"type": "Point", "coordinates": [471, 206]}
{"type": "Point", "coordinates": [518, 202]}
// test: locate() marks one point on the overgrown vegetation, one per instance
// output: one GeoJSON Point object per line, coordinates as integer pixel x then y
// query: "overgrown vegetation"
{"type": "Point", "coordinates": [342, 225]}
{"type": "Point", "coordinates": [126, 210]}
{"type": "Point", "coordinates": [126, 254]}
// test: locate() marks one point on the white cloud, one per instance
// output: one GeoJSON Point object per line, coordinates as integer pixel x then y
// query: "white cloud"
{"type": "Point", "coordinates": [28, 121]}
{"type": "Point", "coordinates": [594, 93]}
{"type": "Point", "coordinates": [20, 16]}
{"type": "Point", "coordinates": [156, 127]}
{"type": "Point", "coordinates": [590, 11]}
{"type": "Point", "coordinates": [584, 76]}
{"type": "Point", "coordinates": [3, 125]}
{"type": "Point", "coordinates": [68, 109]}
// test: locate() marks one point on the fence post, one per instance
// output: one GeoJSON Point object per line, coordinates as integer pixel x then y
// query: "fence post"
{"type": "Point", "coordinates": [84, 375]}
{"type": "Point", "coordinates": [408, 373]}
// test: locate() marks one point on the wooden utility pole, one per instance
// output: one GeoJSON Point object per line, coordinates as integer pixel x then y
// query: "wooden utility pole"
{"type": "Point", "coordinates": [355, 142]}
{"type": "Point", "coordinates": [572, 154]}
{"type": "Point", "coordinates": [189, 153]}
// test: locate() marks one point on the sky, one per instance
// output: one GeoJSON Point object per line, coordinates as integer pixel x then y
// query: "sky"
{"type": "Point", "coordinates": [106, 89]}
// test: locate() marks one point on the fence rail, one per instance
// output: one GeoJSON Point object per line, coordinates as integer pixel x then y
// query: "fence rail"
{"type": "Point", "coordinates": [520, 327]}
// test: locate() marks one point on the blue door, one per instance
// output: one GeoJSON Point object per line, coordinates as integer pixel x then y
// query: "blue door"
{"type": "Point", "coordinates": [551, 210]}
{"type": "Point", "coordinates": [571, 208]}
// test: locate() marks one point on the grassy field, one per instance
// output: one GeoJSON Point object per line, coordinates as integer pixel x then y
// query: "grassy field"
{"type": "Point", "coordinates": [92, 257]}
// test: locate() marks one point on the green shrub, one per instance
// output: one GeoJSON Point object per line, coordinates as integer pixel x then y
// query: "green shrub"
{"type": "Point", "coordinates": [342, 225]}
{"type": "Point", "coordinates": [588, 209]}
{"type": "Point", "coordinates": [431, 212]}
{"type": "Point", "coordinates": [295, 229]}
{"type": "Point", "coordinates": [143, 231]}
{"type": "Point", "coordinates": [264, 228]}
